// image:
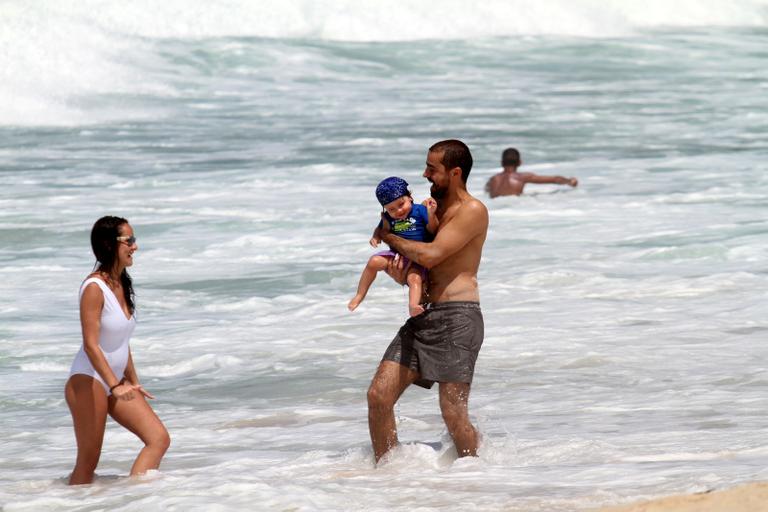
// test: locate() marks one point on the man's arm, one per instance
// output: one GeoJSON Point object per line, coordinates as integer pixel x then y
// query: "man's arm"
{"type": "Point", "coordinates": [471, 221]}
{"type": "Point", "coordinates": [558, 180]}
{"type": "Point", "coordinates": [491, 186]}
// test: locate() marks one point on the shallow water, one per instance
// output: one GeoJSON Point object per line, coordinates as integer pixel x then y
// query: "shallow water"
{"type": "Point", "coordinates": [625, 319]}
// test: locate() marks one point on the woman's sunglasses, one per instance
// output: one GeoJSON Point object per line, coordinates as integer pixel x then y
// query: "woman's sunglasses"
{"type": "Point", "coordinates": [130, 240]}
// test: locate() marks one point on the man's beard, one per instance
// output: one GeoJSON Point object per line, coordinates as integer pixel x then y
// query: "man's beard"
{"type": "Point", "coordinates": [437, 192]}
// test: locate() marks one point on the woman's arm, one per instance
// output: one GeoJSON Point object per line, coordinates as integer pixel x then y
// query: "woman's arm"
{"type": "Point", "coordinates": [130, 371]}
{"type": "Point", "coordinates": [132, 377]}
{"type": "Point", "coordinates": [91, 305]}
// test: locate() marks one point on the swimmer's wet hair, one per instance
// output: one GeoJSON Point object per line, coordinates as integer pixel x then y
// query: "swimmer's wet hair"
{"type": "Point", "coordinates": [510, 158]}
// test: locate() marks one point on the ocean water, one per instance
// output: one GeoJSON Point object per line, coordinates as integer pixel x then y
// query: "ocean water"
{"type": "Point", "coordinates": [626, 320]}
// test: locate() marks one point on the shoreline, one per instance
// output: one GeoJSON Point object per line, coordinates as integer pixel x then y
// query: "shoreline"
{"type": "Point", "coordinates": [750, 497]}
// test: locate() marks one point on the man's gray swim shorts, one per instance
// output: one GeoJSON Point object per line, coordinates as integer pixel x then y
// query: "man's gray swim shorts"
{"type": "Point", "coordinates": [441, 344]}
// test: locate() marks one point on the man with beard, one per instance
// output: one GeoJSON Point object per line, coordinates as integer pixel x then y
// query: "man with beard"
{"type": "Point", "coordinates": [441, 344]}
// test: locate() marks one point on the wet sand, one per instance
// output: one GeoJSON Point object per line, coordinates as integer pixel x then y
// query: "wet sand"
{"type": "Point", "coordinates": [751, 497]}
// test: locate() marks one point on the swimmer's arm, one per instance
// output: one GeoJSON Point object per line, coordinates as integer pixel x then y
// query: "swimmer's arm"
{"type": "Point", "coordinates": [91, 305]}
{"type": "Point", "coordinates": [557, 180]}
{"type": "Point", "coordinates": [451, 238]}
{"type": "Point", "coordinates": [492, 186]}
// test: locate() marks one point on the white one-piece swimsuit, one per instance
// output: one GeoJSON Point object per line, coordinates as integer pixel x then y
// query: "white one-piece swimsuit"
{"type": "Point", "coordinates": [114, 334]}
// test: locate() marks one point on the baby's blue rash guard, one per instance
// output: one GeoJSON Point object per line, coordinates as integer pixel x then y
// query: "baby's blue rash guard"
{"type": "Point", "coordinates": [414, 226]}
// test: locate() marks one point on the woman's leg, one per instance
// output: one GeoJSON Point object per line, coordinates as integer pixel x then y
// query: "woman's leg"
{"type": "Point", "coordinates": [414, 290]}
{"type": "Point", "coordinates": [137, 416]}
{"type": "Point", "coordinates": [374, 266]}
{"type": "Point", "coordinates": [87, 402]}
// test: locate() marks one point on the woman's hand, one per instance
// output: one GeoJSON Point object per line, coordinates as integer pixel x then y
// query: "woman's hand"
{"type": "Point", "coordinates": [130, 391]}
{"type": "Point", "coordinates": [123, 392]}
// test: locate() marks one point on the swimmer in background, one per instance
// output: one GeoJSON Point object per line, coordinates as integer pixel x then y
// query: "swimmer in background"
{"type": "Point", "coordinates": [509, 182]}
{"type": "Point", "coordinates": [407, 220]}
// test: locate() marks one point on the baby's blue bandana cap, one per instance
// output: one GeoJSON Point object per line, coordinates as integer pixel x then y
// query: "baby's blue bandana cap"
{"type": "Point", "coordinates": [390, 189]}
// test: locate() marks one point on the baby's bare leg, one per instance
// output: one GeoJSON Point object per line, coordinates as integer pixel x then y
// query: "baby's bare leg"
{"type": "Point", "coordinates": [415, 286]}
{"type": "Point", "coordinates": [375, 264]}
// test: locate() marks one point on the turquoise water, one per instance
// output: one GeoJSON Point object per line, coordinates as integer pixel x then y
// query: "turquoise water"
{"type": "Point", "coordinates": [626, 319]}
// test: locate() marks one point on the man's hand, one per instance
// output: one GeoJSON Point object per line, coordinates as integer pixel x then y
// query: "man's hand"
{"type": "Point", "coordinates": [397, 270]}
{"type": "Point", "coordinates": [384, 226]}
{"type": "Point", "coordinates": [573, 182]}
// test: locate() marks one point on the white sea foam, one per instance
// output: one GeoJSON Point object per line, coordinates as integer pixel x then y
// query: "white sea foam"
{"type": "Point", "coordinates": [44, 367]}
{"type": "Point", "coordinates": [377, 20]}
{"type": "Point", "coordinates": [198, 364]}
{"type": "Point", "coordinates": [58, 56]}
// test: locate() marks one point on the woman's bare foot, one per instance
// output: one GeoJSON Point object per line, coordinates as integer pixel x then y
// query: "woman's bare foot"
{"type": "Point", "coordinates": [415, 310]}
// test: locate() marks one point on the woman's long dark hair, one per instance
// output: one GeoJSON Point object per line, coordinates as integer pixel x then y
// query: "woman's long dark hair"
{"type": "Point", "coordinates": [104, 244]}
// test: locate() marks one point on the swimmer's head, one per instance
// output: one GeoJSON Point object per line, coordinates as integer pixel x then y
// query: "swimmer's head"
{"type": "Point", "coordinates": [510, 158]}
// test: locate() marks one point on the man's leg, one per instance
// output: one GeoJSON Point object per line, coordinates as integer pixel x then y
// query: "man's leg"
{"type": "Point", "coordinates": [387, 385]}
{"type": "Point", "coordinates": [454, 403]}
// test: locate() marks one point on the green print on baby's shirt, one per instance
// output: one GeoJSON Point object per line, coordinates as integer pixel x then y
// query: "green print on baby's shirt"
{"type": "Point", "coordinates": [402, 225]}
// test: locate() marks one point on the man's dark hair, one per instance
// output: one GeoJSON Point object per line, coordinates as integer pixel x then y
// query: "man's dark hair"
{"type": "Point", "coordinates": [455, 154]}
{"type": "Point", "coordinates": [510, 158]}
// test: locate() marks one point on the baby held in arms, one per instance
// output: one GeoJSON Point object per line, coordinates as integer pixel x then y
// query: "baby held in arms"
{"type": "Point", "coordinates": [405, 219]}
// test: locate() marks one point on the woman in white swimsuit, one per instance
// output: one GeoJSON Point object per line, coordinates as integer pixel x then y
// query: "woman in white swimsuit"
{"type": "Point", "coordinates": [102, 379]}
